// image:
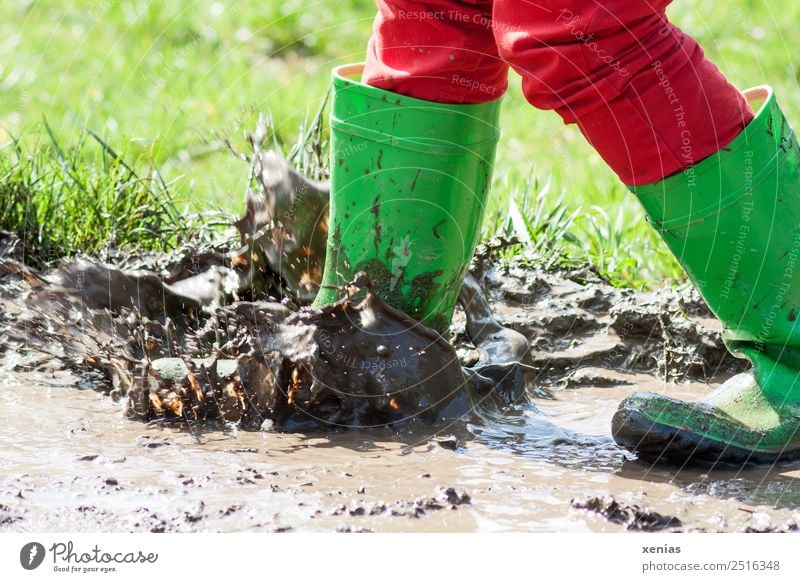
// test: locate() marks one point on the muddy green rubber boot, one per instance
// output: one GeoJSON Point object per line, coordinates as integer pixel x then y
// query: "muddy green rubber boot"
{"type": "Point", "coordinates": [409, 180]}
{"type": "Point", "coordinates": [733, 222]}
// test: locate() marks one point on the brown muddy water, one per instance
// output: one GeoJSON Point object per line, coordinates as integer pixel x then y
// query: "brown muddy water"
{"type": "Point", "coordinates": [96, 435]}
{"type": "Point", "coordinates": [71, 461]}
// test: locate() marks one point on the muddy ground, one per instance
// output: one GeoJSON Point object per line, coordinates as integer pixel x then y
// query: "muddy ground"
{"type": "Point", "coordinates": [93, 439]}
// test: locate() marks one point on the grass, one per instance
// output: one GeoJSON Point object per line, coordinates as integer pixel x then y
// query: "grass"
{"type": "Point", "coordinates": [167, 84]}
{"type": "Point", "coordinates": [555, 234]}
{"type": "Point", "coordinates": [85, 200]}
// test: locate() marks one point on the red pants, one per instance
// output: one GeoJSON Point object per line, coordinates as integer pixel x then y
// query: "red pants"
{"type": "Point", "coordinates": [640, 89]}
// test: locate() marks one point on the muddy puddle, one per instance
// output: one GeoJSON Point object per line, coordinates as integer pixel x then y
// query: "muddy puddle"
{"type": "Point", "coordinates": [259, 421]}
{"type": "Point", "coordinates": [71, 462]}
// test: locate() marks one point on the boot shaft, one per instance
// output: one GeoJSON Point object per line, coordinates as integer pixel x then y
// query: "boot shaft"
{"type": "Point", "coordinates": [409, 180]}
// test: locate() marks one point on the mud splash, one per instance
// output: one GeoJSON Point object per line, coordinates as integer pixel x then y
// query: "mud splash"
{"type": "Point", "coordinates": [632, 517]}
{"type": "Point", "coordinates": [352, 364]}
{"type": "Point", "coordinates": [184, 347]}
{"type": "Point", "coordinates": [356, 363]}
{"type": "Point", "coordinates": [511, 418]}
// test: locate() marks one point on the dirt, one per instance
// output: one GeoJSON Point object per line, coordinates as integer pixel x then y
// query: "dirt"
{"type": "Point", "coordinates": [632, 517]}
{"type": "Point", "coordinates": [72, 462]}
{"type": "Point", "coordinates": [255, 412]}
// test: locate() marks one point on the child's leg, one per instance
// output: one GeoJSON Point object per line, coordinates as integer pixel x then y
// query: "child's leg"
{"type": "Point", "coordinates": [647, 99]}
{"type": "Point", "coordinates": [437, 50]}
{"type": "Point", "coordinates": [640, 89]}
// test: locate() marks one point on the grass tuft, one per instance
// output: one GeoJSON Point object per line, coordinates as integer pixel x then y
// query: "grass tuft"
{"type": "Point", "coordinates": [83, 200]}
{"type": "Point", "coordinates": [553, 234]}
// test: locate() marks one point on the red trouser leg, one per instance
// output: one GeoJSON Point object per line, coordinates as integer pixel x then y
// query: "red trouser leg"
{"type": "Point", "coordinates": [640, 90]}
{"type": "Point", "coordinates": [437, 50]}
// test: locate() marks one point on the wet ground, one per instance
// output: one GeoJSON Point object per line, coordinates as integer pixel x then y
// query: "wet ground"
{"type": "Point", "coordinates": [71, 461]}
{"type": "Point", "coordinates": [94, 436]}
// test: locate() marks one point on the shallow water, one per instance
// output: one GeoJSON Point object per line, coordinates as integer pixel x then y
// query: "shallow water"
{"type": "Point", "coordinates": [70, 460]}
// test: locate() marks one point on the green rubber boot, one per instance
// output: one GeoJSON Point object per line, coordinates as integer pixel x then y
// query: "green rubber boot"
{"type": "Point", "coordinates": [733, 222]}
{"type": "Point", "coordinates": [409, 180]}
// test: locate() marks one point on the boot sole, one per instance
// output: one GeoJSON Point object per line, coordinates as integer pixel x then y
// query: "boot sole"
{"type": "Point", "coordinates": [659, 443]}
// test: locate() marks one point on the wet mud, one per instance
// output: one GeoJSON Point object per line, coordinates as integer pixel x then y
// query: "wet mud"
{"type": "Point", "coordinates": [258, 412]}
{"type": "Point", "coordinates": [632, 517]}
